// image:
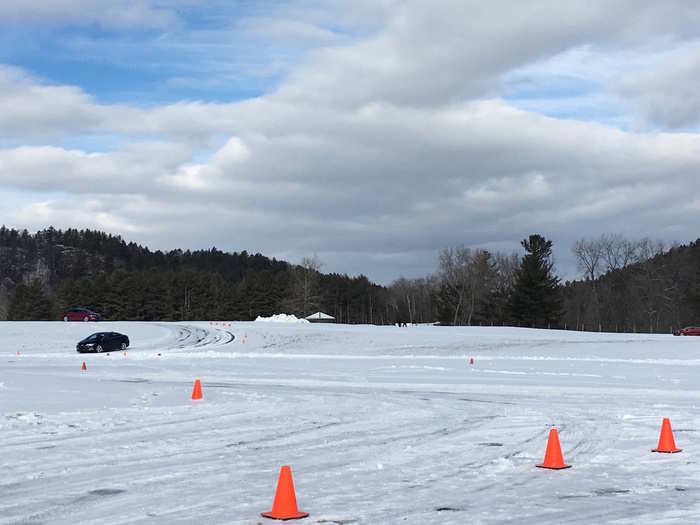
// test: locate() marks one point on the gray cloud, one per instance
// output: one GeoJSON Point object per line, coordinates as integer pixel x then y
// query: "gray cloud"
{"type": "Point", "coordinates": [441, 52]}
{"type": "Point", "coordinates": [668, 96]}
{"type": "Point", "coordinates": [479, 173]}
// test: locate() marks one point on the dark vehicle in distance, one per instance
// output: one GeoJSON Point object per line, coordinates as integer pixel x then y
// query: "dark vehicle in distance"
{"type": "Point", "coordinates": [103, 342]}
{"type": "Point", "coordinates": [689, 330]}
{"type": "Point", "coordinates": [80, 314]}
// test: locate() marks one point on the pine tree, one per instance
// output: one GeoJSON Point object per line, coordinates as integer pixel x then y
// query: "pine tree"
{"type": "Point", "coordinates": [30, 303]}
{"type": "Point", "coordinates": [536, 297]}
{"type": "Point", "coordinates": [693, 295]}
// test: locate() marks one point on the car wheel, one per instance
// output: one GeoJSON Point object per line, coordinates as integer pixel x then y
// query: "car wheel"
{"type": "Point", "coordinates": [123, 346]}
{"type": "Point", "coordinates": [86, 318]}
{"type": "Point", "coordinates": [65, 318]}
{"type": "Point", "coordinates": [98, 349]}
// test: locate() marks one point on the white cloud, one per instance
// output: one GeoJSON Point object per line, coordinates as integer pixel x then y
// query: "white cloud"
{"type": "Point", "coordinates": [54, 169]}
{"type": "Point", "coordinates": [115, 14]}
{"type": "Point", "coordinates": [290, 32]}
{"type": "Point", "coordinates": [28, 107]}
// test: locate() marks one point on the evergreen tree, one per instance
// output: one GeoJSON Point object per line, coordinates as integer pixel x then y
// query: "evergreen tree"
{"type": "Point", "coordinates": [693, 295]}
{"type": "Point", "coordinates": [29, 303]}
{"type": "Point", "coordinates": [536, 297]}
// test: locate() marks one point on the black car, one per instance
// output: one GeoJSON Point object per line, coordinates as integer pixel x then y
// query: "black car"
{"type": "Point", "coordinates": [103, 342]}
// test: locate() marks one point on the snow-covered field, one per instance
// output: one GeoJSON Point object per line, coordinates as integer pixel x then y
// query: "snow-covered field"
{"type": "Point", "coordinates": [379, 424]}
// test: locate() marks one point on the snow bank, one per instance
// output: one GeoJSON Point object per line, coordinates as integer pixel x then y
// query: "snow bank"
{"type": "Point", "coordinates": [280, 318]}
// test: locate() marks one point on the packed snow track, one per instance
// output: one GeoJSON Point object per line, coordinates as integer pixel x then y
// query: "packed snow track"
{"type": "Point", "coordinates": [379, 424]}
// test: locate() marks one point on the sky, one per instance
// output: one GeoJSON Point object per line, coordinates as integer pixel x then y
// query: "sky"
{"type": "Point", "coordinates": [369, 133]}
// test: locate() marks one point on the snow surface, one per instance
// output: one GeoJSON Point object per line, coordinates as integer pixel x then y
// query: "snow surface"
{"type": "Point", "coordinates": [380, 424]}
{"type": "Point", "coordinates": [280, 318]}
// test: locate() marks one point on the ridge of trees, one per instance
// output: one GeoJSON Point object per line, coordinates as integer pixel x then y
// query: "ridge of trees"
{"type": "Point", "coordinates": [633, 285]}
{"type": "Point", "coordinates": [478, 287]}
{"type": "Point", "coordinates": [627, 285]}
{"type": "Point", "coordinates": [52, 270]}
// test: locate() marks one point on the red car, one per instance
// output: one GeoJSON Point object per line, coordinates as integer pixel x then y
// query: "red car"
{"type": "Point", "coordinates": [80, 314]}
{"type": "Point", "coordinates": [690, 330]}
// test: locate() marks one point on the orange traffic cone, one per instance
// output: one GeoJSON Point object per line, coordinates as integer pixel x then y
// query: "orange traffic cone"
{"type": "Point", "coordinates": [553, 458]}
{"type": "Point", "coordinates": [197, 390]}
{"type": "Point", "coordinates": [285, 505]}
{"type": "Point", "coordinates": [666, 442]}
{"type": "Point", "coordinates": [84, 368]}
{"type": "Point", "coordinates": [471, 360]}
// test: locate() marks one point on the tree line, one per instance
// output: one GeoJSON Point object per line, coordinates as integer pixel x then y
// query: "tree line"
{"type": "Point", "coordinates": [45, 273]}
{"type": "Point", "coordinates": [633, 285]}
{"type": "Point", "coordinates": [626, 285]}
{"type": "Point", "coordinates": [478, 287]}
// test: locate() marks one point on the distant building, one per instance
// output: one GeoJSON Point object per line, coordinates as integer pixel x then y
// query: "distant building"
{"type": "Point", "coordinates": [320, 317]}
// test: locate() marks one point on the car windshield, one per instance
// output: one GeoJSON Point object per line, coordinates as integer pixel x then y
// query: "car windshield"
{"type": "Point", "coordinates": [91, 338]}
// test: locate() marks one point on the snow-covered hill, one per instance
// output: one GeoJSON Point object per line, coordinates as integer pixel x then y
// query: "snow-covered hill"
{"type": "Point", "coordinates": [380, 424]}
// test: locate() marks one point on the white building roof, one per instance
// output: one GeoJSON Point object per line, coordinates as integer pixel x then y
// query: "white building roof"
{"type": "Point", "coordinates": [320, 315]}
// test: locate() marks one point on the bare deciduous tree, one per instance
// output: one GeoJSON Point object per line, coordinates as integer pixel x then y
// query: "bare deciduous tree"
{"type": "Point", "coordinates": [453, 264]}
{"type": "Point", "coordinates": [618, 252]}
{"type": "Point", "coordinates": [412, 299]}
{"type": "Point", "coordinates": [589, 256]}
{"type": "Point", "coordinates": [468, 278]}
{"type": "Point", "coordinates": [305, 293]}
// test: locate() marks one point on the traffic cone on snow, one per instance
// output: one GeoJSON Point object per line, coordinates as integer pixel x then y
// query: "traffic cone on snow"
{"type": "Point", "coordinates": [84, 367]}
{"type": "Point", "coordinates": [666, 442]}
{"type": "Point", "coordinates": [197, 390]}
{"type": "Point", "coordinates": [284, 506]}
{"type": "Point", "coordinates": [553, 458]}
{"type": "Point", "coordinates": [471, 360]}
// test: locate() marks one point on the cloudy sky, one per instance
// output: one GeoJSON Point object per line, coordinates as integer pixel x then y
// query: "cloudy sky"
{"type": "Point", "coordinates": [371, 133]}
